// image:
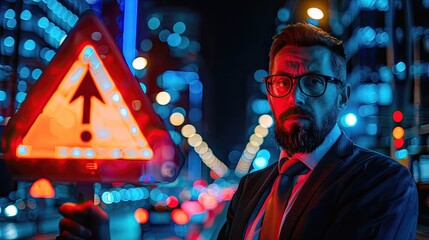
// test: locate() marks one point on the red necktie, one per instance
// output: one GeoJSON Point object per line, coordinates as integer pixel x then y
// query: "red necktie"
{"type": "Point", "coordinates": [282, 190]}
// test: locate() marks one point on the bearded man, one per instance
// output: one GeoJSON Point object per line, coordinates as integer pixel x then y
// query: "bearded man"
{"type": "Point", "coordinates": [323, 186]}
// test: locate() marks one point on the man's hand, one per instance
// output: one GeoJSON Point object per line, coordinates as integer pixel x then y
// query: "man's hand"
{"type": "Point", "coordinates": [83, 221]}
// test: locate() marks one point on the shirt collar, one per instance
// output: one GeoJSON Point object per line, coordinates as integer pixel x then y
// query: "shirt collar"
{"type": "Point", "coordinates": [311, 159]}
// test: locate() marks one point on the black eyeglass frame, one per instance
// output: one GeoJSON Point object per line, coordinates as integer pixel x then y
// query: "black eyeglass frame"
{"type": "Point", "coordinates": [298, 79]}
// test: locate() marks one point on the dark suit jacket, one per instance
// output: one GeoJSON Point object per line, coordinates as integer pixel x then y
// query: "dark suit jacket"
{"type": "Point", "coordinates": [353, 193]}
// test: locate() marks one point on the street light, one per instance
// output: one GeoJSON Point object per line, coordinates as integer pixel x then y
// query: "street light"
{"type": "Point", "coordinates": [315, 13]}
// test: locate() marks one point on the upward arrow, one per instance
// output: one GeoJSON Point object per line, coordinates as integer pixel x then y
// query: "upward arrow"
{"type": "Point", "coordinates": [87, 89]}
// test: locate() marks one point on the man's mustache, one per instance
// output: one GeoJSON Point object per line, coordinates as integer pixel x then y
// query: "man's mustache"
{"type": "Point", "coordinates": [295, 111]}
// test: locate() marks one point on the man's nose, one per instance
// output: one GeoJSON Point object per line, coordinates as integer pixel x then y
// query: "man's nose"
{"type": "Point", "coordinates": [296, 96]}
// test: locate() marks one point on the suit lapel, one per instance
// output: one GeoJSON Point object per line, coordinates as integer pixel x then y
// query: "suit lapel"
{"type": "Point", "coordinates": [254, 191]}
{"type": "Point", "coordinates": [342, 148]}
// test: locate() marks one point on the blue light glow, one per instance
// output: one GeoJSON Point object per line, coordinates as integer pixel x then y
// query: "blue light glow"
{"type": "Point", "coordinates": [29, 45]}
{"type": "Point", "coordinates": [143, 87]}
{"type": "Point", "coordinates": [36, 73]}
{"type": "Point", "coordinates": [382, 38]}
{"type": "Point", "coordinates": [22, 86]}
{"type": "Point", "coordinates": [260, 106]}
{"type": "Point", "coordinates": [24, 72]}
{"type": "Point", "coordinates": [195, 115]}
{"type": "Point", "coordinates": [351, 119]}
{"type": "Point", "coordinates": [123, 111]}
{"type": "Point", "coordinates": [162, 110]}
{"type": "Point", "coordinates": [367, 35]}
{"type": "Point", "coordinates": [9, 14]}
{"type": "Point", "coordinates": [195, 87]}
{"type": "Point", "coordinates": [372, 128]}
{"type": "Point", "coordinates": [2, 95]}
{"type": "Point", "coordinates": [367, 3]}
{"type": "Point", "coordinates": [11, 211]}
{"type": "Point", "coordinates": [116, 97]}
{"type": "Point", "coordinates": [259, 74]}
{"type": "Point", "coordinates": [179, 110]}
{"type": "Point", "coordinates": [172, 79]}
{"type": "Point", "coordinates": [125, 195]}
{"type": "Point", "coordinates": [89, 153]}
{"type": "Point", "coordinates": [134, 129]}
{"type": "Point", "coordinates": [313, 21]}
{"type": "Point", "coordinates": [179, 27]}
{"type": "Point", "coordinates": [176, 137]}
{"type": "Point", "coordinates": [11, 23]}
{"type": "Point", "coordinates": [129, 35]}
{"type": "Point", "coordinates": [116, 153]}
{"type": "Point", "coordinates": [43, 22]}
{"type": "Point", "coordinates": [49, 54]}
{"type": "Point", "coordinates": [283, 14]}
{"type": "Point", "coordinates": [386, 74]}
{"type": "Point", "coordinates": [22, 150]}
{"type": "Point", "coordinates": [163, 35]}
{"type": "Point", "coordinates": [20, 97]}
{"type": "Point", "coordinates": [146, 153]}
{"type": "Point", "coordinates": [264, 153]}
{"type": "Point", "coordinates": [174, 95]}
{"type": "Point", "coordinates": [116, 196]}
{"type": "Point", "coordinates": [401, 154]}
{"type": "Point", "coordinates": [146, 45]}
{"type": "Point", "coordinates": [385, 94]}
{"type": "Point", "coordinates": [368, 110]}
{"type": "Point", "coordinates": [76, 152]}
{"type": "Point", "coordinates": [174, 40]}
{"type": "Point", "coordinates": [259, 163]}
{"type": "Point", "coordinates": [156, 194]}
{"type": "Point", "coordinates": [153, 23]}
{"type": "Point", "coordinates": [194, 46]}
{"type": "Point", "coordinates": [26, 15]}
{"type": "Point", "coordinates": [9, 41]}
{"type": "Point", "coordinates": [368, 93]}
{"type": "Point", "coordinates": [400, 67]}
{"type": "Point", "coordinates": [107, 198]}
{"type": "Point", "coordinates": [184, 43]}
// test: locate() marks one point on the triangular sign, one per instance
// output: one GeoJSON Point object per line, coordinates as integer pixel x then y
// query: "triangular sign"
{"type": "Point", "coordinates": [87, 119]}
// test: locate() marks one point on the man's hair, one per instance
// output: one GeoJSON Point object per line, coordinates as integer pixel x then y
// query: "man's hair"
{"type": "Point", "coordinates": [305, 34]}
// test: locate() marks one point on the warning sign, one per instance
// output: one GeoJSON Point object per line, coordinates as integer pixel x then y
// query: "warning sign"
{"type": "Point", "coordinates": [86, 118]}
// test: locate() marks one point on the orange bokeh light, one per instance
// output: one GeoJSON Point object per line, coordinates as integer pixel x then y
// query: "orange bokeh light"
{"type": "Point", "coordinates": [398, 132]}
{"type": "Point", "coordinates": [180, 217]}
{"type": "Point", "coordinates": [42, 188]}
{"type": "Point", "coordinates": [141, 215]}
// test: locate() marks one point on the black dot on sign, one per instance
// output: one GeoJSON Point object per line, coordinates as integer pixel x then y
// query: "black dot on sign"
{"type": "Point", "coordinates": [86, 136]}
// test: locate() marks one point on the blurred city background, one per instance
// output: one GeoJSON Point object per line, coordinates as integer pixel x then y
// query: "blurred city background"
{"type": "Point", "coordinates": [201, 63]}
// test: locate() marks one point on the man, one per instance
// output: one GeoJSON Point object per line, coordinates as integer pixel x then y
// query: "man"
{"type": "Point", "coordinates": [338, 191]}
{"type": "Point", "coordinates": [341, 190]}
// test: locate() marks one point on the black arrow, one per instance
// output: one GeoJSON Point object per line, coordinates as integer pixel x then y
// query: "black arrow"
{"type": "Point", "coordinates": [87, 89]}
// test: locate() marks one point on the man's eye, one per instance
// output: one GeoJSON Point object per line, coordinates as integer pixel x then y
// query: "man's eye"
{"type": "Point", "coordinates": [315, 81]}
{"type": "Point", "coordinates": [280, 84]}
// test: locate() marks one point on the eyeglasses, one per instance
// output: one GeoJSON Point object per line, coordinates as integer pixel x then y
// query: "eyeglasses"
{"type": "Point", "coordinates": [313, 85]}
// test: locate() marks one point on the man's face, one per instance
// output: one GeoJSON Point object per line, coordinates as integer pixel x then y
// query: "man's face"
{"type": "Point", "coordinates": [302, 122]}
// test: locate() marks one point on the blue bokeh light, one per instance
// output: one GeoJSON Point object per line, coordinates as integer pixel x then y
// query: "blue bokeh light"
{"type": "Point", "coordinates": [153, 23]}
{"type": "Point", "coordinates": [179, 27]}
{"type": "Point", "coordinates": [283, 14]}
{"type": "Point", "coordinates": [259, 74]}
{"type": "Point", "coordinates": [146, 45]}
{"type": "Point", "coordinates": [29, 45]}
{"type": "Point", "coordinates": [174, 40]}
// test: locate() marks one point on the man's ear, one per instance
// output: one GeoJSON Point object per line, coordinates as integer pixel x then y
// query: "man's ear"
{"type": "Point", "coordinates": [344, 96]}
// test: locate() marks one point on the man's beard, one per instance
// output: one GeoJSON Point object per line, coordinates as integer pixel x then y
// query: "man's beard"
{"type": "Point", "coordinates": [301, 139]}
